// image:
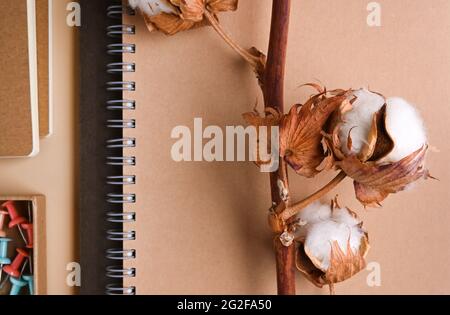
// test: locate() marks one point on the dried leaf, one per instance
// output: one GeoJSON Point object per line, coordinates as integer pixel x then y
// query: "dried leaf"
{"type": "Point", "coordinates": [272, 118]}
{"type": "Point", "coordinates": [216, 6]}
{"type": "Point", "coordinates": [185, 15]}
{"type": "Point", "coordinates": [301, 133]}
{"type": "Point", "coordinates": [373, 183]}
{"type": "Point", "coordinates": [191, 10]}
{"type": "Point", "coordinates": [168, 23]}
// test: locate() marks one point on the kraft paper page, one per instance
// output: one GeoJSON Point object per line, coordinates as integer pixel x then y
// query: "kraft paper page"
{"type": "Point", "coordinates": [202, 227]}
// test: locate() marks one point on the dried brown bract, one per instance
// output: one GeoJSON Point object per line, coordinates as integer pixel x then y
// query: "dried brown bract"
{"type": "Point", "coordinates": [271, 118]}
{"type": "Point", "coordinates": [174, 16]}
{"type": "Point", "coordinates": [301, 132]}
{"type": "Point", "coordinates": [373, 183]}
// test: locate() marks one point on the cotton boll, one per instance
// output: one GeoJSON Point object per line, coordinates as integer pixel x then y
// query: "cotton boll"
{"type": "Point", "coordinates": [358, 121]}
{"type": "Point", "coordinates": [320, 237]}
{"type": "Point", "coordinates": [153, 7]}
{"type": "Point", "coordinates": [315, 212]}
{"type": "Point", "coordinates": [341, 227]}
{"type": "Point", "coordinates": [406, 128]}
{"type": "Point", "coordinates": [340, 235]}
{"type": "Point", "coordinates": [403, 123]}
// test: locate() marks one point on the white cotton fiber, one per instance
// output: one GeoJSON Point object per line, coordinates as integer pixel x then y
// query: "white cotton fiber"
{"type": "Point", "coordinates": [153, 7]}
{"type": "Point", "coordinates": [403, 123]}
{"type": "Point", "coordinates": [405, 126]}
{"type": "Point", "coordinates": [321, 236]}
{"type": "Point", "coordinates": [315, 212]}
{"type": "Point", "coordinates": [324, 227]}
{"type": "Point", "coordinates": [344, 216]}
{"type": "Point", "coordinates": [359, 119]}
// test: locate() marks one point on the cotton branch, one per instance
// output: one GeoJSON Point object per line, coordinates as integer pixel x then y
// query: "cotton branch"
{"type": "Point", "coordinates": [273, 90]}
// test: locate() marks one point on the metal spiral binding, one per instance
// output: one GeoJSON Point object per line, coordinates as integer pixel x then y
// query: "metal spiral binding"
{"type": "Point", "coordinates": [119, 217]}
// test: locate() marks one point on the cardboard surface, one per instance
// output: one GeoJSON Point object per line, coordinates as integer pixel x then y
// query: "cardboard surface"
{"type": "Point", "coordinates": [202, 227]}
{"type": "Point", "coordinates": [42, 29]}
{"type": "Point", "coordinates": [18, 81]}
{"type": "Point", "coordinates": [53, 172]}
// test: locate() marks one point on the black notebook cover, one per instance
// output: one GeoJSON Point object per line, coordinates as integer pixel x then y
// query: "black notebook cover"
{"type": "Point", "coordinates": [93, 139]}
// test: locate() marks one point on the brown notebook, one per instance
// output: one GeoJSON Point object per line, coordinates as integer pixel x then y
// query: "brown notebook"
{"type": "Point", "coordinates": [19, 136]}
{"type": "Point", "coordinates": [201, 227]}
{"type": "Point", "coordinates": [195, 221]}
{"type": "Point", "coordinates": [43, 23]}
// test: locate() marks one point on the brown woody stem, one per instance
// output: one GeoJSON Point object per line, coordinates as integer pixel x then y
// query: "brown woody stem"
{"type": "Point", "coordinates": [332, 290]}
{"type": "Point", "coordinates": [289, 212]}
{"type": "Point", "coordinates": [273, 90]}
{"type": "Point", "coordinates": [252, 60]}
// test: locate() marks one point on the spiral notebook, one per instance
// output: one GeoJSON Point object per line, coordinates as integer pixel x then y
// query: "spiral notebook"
{"type": "Point", "coordinates": [178, 216]}
{"type": "Point", "coordinates": [198, 227]}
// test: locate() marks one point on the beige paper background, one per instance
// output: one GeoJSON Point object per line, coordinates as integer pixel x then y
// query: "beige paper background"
{"type": "Point", "coordinates": [202, 226]}
{"type": "Point", "coordinates": [53, 172]}
{"type": "Point", "coordinates": [408, 56]}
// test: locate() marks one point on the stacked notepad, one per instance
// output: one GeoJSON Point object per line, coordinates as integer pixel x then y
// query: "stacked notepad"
{"type": "Point", "coordinates": [25, 102]}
